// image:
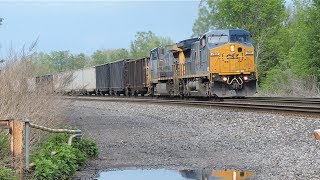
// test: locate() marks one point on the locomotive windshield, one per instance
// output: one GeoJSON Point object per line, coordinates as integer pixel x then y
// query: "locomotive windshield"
{"type": "Point", "coordinates": [215, 39]}
{"type": "Point", "coordinates": [224, 36]}
{"type": "Point", "coordinates": [243, 38]}
{"type": "Point", "coordinates": [154, 54]}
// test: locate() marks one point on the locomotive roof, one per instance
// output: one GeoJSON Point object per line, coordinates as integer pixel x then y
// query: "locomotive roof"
{"type": "Point", "coordinates": [227, 32]}
{"type": "Point", "coordinates": [186, 44]}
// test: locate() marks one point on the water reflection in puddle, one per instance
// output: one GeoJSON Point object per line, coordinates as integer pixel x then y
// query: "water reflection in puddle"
{"type": "Point", "coordinates": [163, 174]}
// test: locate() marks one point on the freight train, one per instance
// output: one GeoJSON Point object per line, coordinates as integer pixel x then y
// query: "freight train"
{"type": "Point", "coordinates": [220, 63]}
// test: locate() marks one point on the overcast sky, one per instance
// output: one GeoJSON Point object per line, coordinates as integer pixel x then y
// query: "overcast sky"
{"type": "Point", "coordinates": [85, 26]}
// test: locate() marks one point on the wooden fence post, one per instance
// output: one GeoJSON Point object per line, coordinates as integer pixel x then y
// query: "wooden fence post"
{"type": "Point", "coordinates": [16, 138]}
{"type": "Point", "coordinates": [16, 141]}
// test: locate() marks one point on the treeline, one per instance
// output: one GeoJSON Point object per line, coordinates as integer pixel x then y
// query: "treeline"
{"type": "Point", "coordinates": [286, 39]}
{"type": "Point", "coordinates": [58, 61]}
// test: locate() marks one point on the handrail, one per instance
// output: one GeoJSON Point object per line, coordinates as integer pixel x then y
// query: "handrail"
{"type": "Point", "coordinates": [78, 131]}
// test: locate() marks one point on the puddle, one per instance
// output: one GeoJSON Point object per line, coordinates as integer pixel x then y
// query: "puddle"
{"type": "Point", "coordinates": [164, 174]}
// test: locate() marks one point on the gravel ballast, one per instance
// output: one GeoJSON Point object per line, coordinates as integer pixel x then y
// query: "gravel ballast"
{"type": "Point", "coordinates": [137, 135]}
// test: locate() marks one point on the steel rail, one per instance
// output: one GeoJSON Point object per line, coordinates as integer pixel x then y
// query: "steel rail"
{"type": "Point", "coordinates": [300, 102]}
{"type": "Point", "coordinates": [279, 100]}
{"type": "Point", "coordinates": [275, 106]}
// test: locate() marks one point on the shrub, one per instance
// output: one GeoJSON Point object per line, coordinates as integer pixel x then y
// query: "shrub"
{"type": "Point", "coordinates": [280, 82]}
{"type": "Point", "coordinates": [87, 146]}
{"type": "Point", "coordinates": [55, 159]}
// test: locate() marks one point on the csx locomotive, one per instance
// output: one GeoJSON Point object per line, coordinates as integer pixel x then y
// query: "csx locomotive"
{"type": "Point", "coordinates": [220, 63]}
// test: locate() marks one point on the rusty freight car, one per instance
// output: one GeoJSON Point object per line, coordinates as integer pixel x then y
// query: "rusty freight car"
{"type": "Point", "coordinates": [137, 76]}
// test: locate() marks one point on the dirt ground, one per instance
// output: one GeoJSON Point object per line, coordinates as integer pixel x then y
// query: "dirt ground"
{"type": "Point", "coordinates": [136, 135]}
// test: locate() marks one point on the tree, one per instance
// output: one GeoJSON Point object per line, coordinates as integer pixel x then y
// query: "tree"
{"type": "Point", "coordinates": [262, 18]}
{"type": "Point", "coordinates": [77, 61]}
{"type": "Point", "coordinates": [41, 60]}
{"type": "Point", "coordinates": [1, 20]}
{"type": "Point", "coordinates": [109, 55]}
{"type": "Point", "coordinates": [254, 16]}
{"type": "Point", "coordinates": [314, 35]}
{"type": "Point", "coordinates": [145, 42]}
{"type": "Point", "coordinates": [304, 54]}
{"type": "Point", "coordinates": [58, 61]}
{"type": "Point", "coordinates": [204, 21]}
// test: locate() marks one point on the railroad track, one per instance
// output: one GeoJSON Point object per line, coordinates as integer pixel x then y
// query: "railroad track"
{"type": "Point", "coordinates": [281, 100]}
{"type": "Point", "coordinates": [294, 105]}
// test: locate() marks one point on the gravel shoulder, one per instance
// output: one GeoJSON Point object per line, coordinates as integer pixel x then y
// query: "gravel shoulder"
{"type": "Point", "coordinates": [136, 135]}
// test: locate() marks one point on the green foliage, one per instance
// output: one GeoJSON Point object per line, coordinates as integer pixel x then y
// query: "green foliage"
{"type": "Point", "coordinates": [7, 174]}
{"type": "Point", "coordinates": [252, 15]}
{"type": "Point", "coordinates": [58, 61]}
{"type": "Point", "coordinates": [45, 168]}
{"type": "Point", "coordinates": [77, 61]}
{"type": "Point", "coordinates": [314, 45]}
{"type": "Point", "coordinates": [55, 159]}
{"type": "Point", "coordinates": [275, 81]}
{"type": "Point", "coordinates": [109, 55]}
{"type": "Point", "coordinates": [304, 54]}
{"type": "Point", "coordinates": [203, 23]}
{"type": "Point", "coordinates": [87, 146]}
{"type": "Point", "coordinates": [1, 20]}
{"type": "Point", "coordinates": [145, 42]}
{"type": "Point", "coordinates": [4, 144]}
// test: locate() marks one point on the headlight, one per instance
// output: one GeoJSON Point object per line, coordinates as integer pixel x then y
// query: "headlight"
{"type": "Point", "coordinates": [232, 48]}
{"type": "Point", "coordinates": [245, 78]}
{"type": "Point", "coordinates": [224, 78]}
{"type": "Point", "coordinates": [249, 53]}
{"type": "Point", "coordinates": [215, 54]}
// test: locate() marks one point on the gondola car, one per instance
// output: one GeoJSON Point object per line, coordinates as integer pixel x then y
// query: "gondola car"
{"type": "Point", "coordinates": [81, 81]}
